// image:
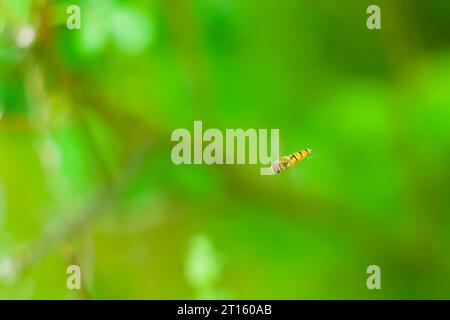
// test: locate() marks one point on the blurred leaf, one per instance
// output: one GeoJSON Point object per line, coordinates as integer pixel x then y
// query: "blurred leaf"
{"type": "Point", "coordinates": [131, 29]}
{"type": "Point", "coordinates": [203, 266]}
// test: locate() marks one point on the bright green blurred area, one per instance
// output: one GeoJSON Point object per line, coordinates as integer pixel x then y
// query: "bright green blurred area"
{"type": "Point", "coordinates": [85, 170]}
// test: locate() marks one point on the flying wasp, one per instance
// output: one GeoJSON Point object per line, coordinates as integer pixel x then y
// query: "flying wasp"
{"type": "Point", "coordinates": [285, 163]}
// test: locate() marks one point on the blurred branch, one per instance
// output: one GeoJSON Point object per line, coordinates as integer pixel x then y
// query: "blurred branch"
{"type": "Point", "coordinates": [43, 61]}
{"type": "Point", "coordinates": [63, 230]}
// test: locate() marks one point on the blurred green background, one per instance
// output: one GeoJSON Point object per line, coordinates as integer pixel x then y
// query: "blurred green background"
{"type": "Point", "coordinates": [85, 170]}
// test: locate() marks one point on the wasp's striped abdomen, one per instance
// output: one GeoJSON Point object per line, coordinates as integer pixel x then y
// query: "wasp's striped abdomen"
{"type": "Point", "coordinates": [288, 161]}
{"type": "Point", "coordinates": [299, 155]}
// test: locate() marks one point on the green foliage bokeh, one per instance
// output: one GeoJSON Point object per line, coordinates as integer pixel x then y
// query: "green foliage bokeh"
{"type": "Point", "coordinates": [85, 170]}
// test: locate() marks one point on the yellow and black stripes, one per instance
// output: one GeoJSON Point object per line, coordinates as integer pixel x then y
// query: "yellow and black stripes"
{"type": "Point", "coordinates": [299, 155]}
{"type": "Point", "coordinates": [287, 162]}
